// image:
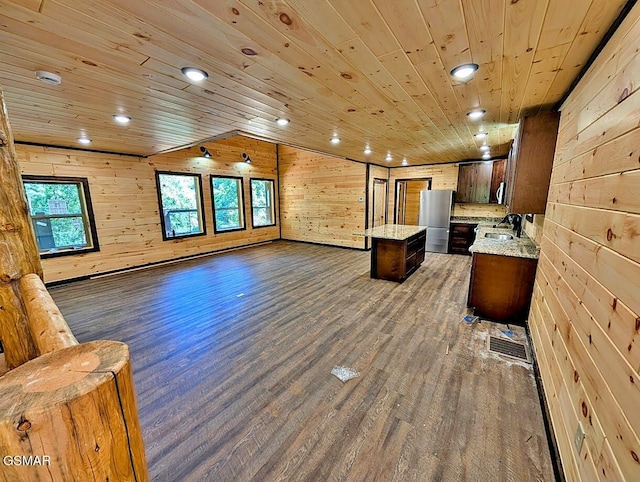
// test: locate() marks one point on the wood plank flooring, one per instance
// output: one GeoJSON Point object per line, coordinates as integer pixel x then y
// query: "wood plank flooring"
{"type": "Point", "coordinates": [232, 357]}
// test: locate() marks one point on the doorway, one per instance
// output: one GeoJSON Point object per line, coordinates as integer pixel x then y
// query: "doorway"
{"type": "Point", "coordinates": [407, 202]}
{"type": "Point", "coordinates": [379, 202]}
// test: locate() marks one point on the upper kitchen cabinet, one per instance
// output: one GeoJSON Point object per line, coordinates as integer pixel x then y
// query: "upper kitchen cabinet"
{"type": "Point", "coordinates": [480, 182]}
{"type": "Point", "coordinates": [529, 163]}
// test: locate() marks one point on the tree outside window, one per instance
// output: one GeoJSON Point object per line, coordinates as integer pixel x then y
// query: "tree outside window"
{"type": "Point", "coordinates": [60, 209]}
{"type": "Point", "coordinates": [262, 208]}
{"type": "Point", "coordinates": [228, 205]}
{"type": "Point", "coordinates": [180, 198]}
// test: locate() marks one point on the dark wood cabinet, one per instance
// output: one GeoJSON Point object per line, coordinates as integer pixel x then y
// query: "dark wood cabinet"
{"type": "Point", "coordinates": [530, 162]}
{"type": "Point", "coordinates": [478, 182]}
{"type": "Point", "coordinates": [461, 237]}
{"type": "Point", "coordinates": [396, 260]}
{"type": "Point", "coordinates": [501, 286]}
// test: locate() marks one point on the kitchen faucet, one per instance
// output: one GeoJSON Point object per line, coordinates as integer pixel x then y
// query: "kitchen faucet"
{"type": "Point", "coordinates": [514, 220]}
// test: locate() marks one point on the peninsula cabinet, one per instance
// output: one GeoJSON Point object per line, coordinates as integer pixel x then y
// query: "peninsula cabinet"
{"type": "Point", "coordinates": [530, 162]}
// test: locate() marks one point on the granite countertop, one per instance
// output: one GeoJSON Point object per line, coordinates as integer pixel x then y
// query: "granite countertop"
{"type": "Point", "coordinates": [522, 247]}
{"type": "Point", "coordinates": [399, 232]}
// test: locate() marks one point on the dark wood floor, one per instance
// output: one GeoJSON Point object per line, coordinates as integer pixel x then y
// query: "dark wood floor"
{"type": "Point", "coordinates": [232, 357]}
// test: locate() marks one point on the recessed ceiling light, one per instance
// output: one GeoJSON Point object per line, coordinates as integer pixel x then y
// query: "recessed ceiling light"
{"type": "Point", "coordinates": [481, 135]}
{"type": "Point", "coordinates": [48, 77]}
{"type": "Point", "coordinates": [484, 148]}
{"type": "Point", "coordinates": [281, 121]}
{"type": "Point", "coordinates": [84, 140]}
{"type": "Point", "coordinates": [194, 74]}
{"type": "Point", "coordinates": [367, 150]}
{"type": "Point", "coordinates": [476, 114]}
{"type": "Point", "coordinates": [335, 140]}
{"type": "Point", "coordinates": [388, 158]}
{"type": "Point", "coordinates": [464, 71]}
{"type": "Point", "coordinates": [121, 118]}
{"type": "Point", "coordinates": [486, 155]}
{"type": "Point", "coordinates": [404, 161]}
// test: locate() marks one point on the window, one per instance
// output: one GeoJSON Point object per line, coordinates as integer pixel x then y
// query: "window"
{"type": "Point", "coordinates": [228, 205]}
{"type": "Point", "coordinates": [62, 216]}
{"type": "Point", "coordinates": [262, 209]}
{"type": "Point", "coordinates": [180, 198]}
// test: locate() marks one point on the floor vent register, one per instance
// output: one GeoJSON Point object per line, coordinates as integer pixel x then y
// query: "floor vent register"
{"type": "Point", "coordinates": [509, 348]}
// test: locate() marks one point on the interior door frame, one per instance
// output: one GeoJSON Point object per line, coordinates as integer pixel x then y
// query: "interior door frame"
{"type": "Point", "coordinates": [397, 189]}
{"type": "Point", "coordinates": [379, 180]}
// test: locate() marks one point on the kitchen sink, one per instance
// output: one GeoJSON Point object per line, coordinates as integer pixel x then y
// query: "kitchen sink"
{"type": "Point", "coordinates": [500, 236]}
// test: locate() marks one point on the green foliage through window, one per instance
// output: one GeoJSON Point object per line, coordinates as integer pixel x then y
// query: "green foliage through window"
{"type": "Point", "coordinates": [60, 216]}
{"type": "Point", "coordinates": [181, 204]}
{"type": "Point", "coordinates": [262, 194]}
{"type": "Point", "coordinates": [227, 203]}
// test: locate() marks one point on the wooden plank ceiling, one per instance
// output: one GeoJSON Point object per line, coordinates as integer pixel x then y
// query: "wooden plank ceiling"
{"type": "Point", "coordinates": [372, 72]}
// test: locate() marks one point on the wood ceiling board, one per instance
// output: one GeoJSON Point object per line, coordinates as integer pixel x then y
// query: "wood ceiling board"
{"type": "Point", "coordinates": [137, 49]}
{"type": "Point", "coordinates": [365, 20]}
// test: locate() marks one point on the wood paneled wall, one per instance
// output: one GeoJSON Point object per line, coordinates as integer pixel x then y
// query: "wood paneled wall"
{"type": "Point", "coordinates": [443, 177]}
{"type": "Point", "coordinates": [125, 201]}
{"type": "Point", "coordinates": [322, 198]}
{"type": "Point", "coordinates": [480, 210]}
{"type": "Point", "coordinates": [585, 315]}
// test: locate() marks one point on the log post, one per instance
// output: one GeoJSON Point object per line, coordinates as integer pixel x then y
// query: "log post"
{"type": "Point", "coordinates": [18, 250]}
{"type": "Point", "coordinates": [73, 412]}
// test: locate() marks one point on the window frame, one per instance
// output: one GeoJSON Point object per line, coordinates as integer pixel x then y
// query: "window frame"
{"type": "Point", "coordinates": [201, 213]}
{"type": "Point", "coordinates": [241, 204]}
{"type": "Point", "coordinates": [273, 207]}
{"type": "Point", "coordinates": [87, 214]}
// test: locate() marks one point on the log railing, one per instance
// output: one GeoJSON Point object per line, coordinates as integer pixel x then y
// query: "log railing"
{"type": "Point", "coordinates": [67, 410]}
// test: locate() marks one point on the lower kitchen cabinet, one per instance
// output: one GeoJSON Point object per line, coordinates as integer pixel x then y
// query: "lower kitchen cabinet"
{"type": "Point", "coordinates": [397, 259]}
{"type": "Point", "coordinates": [461, 237]}
{"type": "Point", "coordinates": [501, 286]}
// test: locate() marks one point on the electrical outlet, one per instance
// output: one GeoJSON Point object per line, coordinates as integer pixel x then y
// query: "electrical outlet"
{"type": "Point", "coordinates": [578, 438]}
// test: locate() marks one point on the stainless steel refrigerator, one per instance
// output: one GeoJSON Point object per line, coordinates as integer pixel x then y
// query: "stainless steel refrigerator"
{"type": "Point", "coordinates": [435, 214]}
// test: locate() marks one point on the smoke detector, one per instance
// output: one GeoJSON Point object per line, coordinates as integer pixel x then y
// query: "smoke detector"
{"type": "Point", "coordinates": [48, 77]}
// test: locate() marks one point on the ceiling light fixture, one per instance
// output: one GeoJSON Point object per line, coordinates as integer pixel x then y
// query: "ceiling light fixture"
{"type": "Point", "coordinates": [205, 152]}
{"type": "Point", "coordinates": [121, 118]}
{"type": "Point", "coordinates": [476, 114]}
{"type": "Point", "coordinates": [367, 150]}
{"type": "Point", "coordinates": [404, 161]}
{"type": "Point", "coordinates": [194, 74]}
{"type": "Point", "coordinates": [48, 77]}
{"type": "Point", "coordinates": [464, 71]}
{"type": "Point", "coordinates": [281, 121]}
{"type": "Point", "coordinates": [388, 158]}
{"type": "Point", "coordinates": [481, 135]}
{"type": "Point", "coordinates": [335, 140]}
{"type": "Point", "coordinates": [246, 158]}
{"type": "Point", "coordinates": [84, 140]}
{"type": "Point", "coordinates": [486, 155]}
{"type": "Point", "coordinates": [484, 147]}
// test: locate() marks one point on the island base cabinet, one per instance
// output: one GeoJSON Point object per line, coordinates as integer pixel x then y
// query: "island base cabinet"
{"type": "Point", "coordinates": [501, 286]}
{"type": "Point", "coordinates": [396, 260]}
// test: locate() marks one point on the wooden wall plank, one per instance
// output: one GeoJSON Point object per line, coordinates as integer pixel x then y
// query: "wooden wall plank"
{"type": "Point", "coordinates": [125, 202]}
{"type": "Point", "coordinates": [585, 310]}
{"type": "Point", "coordinates": [321, 198]}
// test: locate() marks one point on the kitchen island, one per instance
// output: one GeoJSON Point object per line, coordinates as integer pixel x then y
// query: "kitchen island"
{"type": "Point", "coordinates": [397, 250]}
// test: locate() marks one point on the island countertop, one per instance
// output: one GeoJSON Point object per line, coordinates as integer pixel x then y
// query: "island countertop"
{"type": "Point", "coordinates": [399, 232]}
